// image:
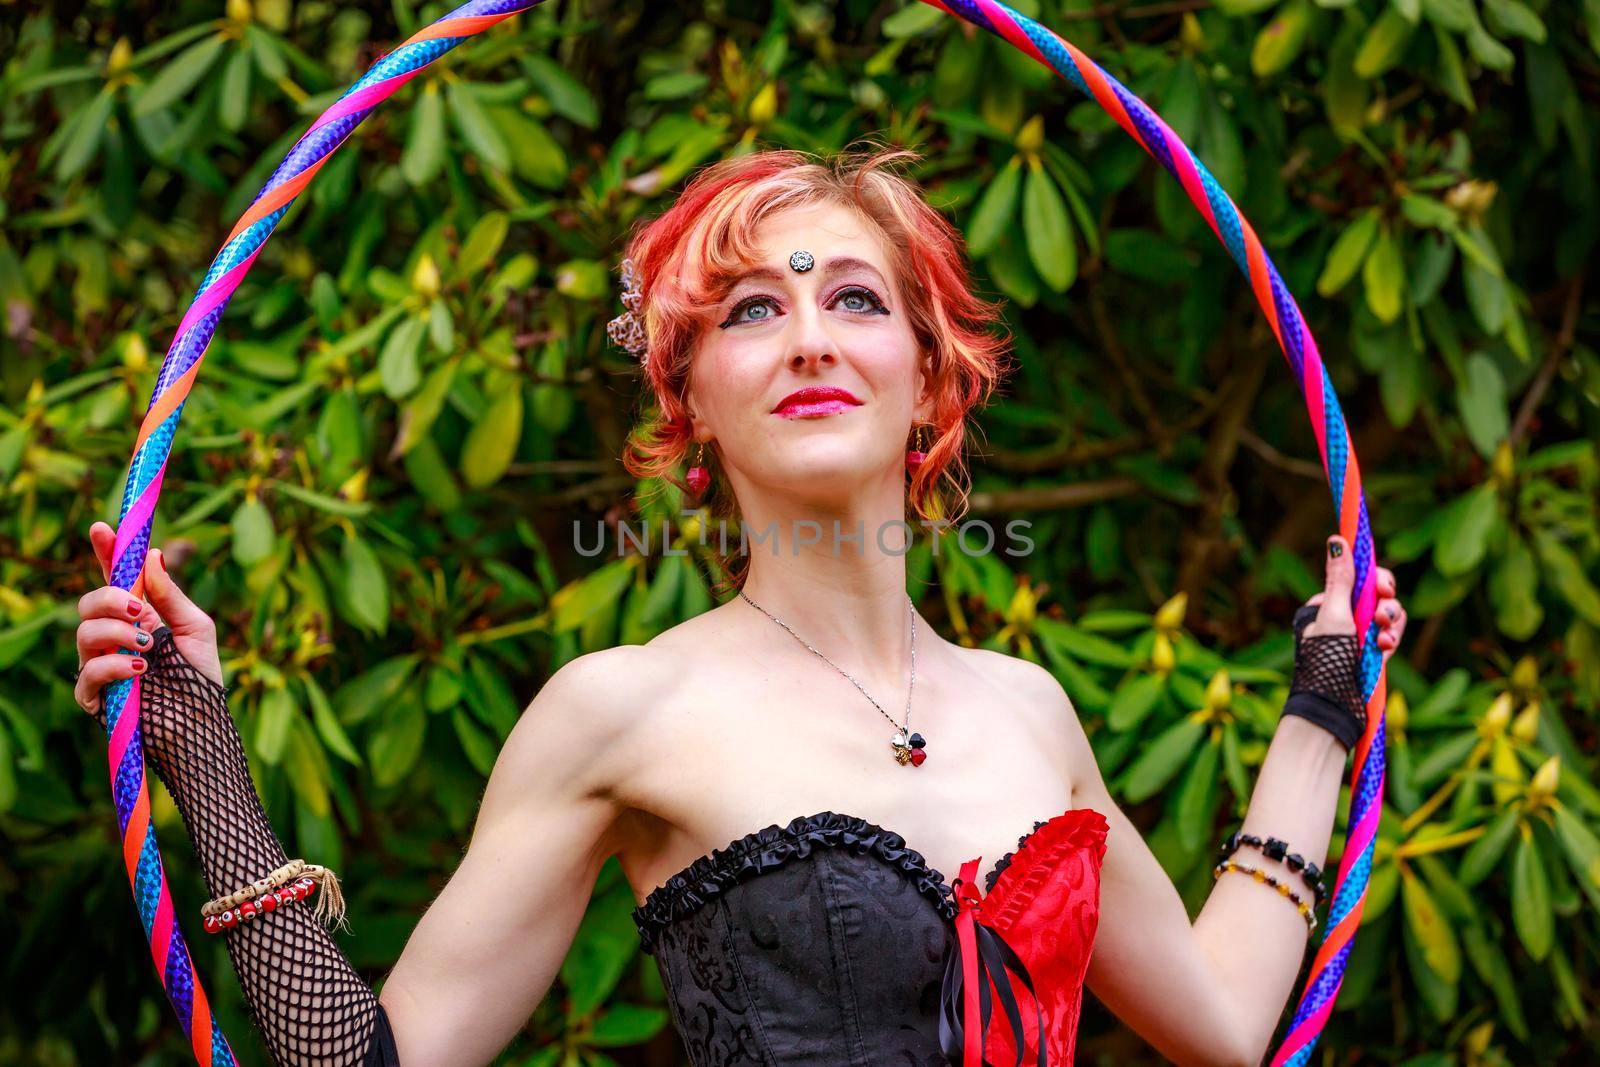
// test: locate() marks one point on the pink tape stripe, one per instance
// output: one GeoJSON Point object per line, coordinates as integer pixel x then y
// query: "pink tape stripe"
{"type": "Point", "coordinates": [127, 722]}
{"type": "Point", "coordinates": [219, 292]}
{"type": "Point", "coordinates": [161, 930]}
{"type": "Point", "coordinates": [1309, 1028]}
{"type": "Point", "coordinates": [1188, 175]}
{"type": "Point", "coordinates": [1002, 21]}
{"type": "Point", "coordinates": [361, 99]}
{"type": "Point", "coordinates": [139, 517]}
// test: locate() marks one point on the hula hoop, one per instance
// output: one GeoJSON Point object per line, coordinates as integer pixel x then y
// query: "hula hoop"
{"type": "Point", "coordinates": [181, 366]}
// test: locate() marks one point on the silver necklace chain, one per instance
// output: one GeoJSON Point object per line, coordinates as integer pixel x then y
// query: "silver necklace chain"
{"type": "Point", "coordinates": [847, 674]}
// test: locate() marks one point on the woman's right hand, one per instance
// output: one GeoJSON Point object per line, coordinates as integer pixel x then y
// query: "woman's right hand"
{"type": "Point", "coordinates": [114, 619]}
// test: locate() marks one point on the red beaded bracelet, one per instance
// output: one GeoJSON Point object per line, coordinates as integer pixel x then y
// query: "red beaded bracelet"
{"type": "Point", "coordinates": [296, 890]}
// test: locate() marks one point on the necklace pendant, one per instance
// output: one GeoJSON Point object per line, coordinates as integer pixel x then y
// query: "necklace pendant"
{"type": "Point", "coordinates": [911, 751]}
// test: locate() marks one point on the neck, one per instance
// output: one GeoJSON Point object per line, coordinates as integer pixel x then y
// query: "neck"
{"type": "Point", "coordinates": [837, 576]}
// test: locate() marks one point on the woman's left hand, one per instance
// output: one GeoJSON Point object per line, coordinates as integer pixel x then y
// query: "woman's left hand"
{"type": "Point", "coordinates": [1334, 615]}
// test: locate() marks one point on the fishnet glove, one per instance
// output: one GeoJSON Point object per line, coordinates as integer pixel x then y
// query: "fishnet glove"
{"type": "Point", "coordinates": [1326, 688]}
{"type": "Point", "coordinates": [310, 1004]}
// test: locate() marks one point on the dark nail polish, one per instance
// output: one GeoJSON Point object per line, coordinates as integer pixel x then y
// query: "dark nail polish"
{"type": "Point", "coordinates": [1335, 549]}
{"type": "Point", "coordinates": [142, 638]}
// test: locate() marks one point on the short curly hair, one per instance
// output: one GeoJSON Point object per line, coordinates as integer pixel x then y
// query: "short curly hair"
{"type": "Point", "coordinates": [690, 255]}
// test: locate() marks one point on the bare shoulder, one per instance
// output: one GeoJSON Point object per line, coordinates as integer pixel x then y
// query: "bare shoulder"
{"type": "Point", "coordinates": [582, 716]}
{"type": "Point", "coordinates": [1042, 693]}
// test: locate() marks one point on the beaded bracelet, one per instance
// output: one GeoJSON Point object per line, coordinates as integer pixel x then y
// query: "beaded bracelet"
{"type": "Point", "coordinates": [259, 905]}
{"type": "Point", "coordinates": [1275, 849]}
{"type": "Point", "coordinates": [1283, 889]}
{"type": "Point", "coordinates": [329, 906]}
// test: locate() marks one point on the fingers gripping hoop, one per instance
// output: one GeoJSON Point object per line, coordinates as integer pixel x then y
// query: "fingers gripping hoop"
{"type": "Point", "coordinates": [182, 364]}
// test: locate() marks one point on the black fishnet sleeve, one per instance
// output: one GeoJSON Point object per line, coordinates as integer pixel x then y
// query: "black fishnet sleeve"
{"type": "Point", "coordinates": [310, 1004]}
{"type": "Point", "coordinates": [1326, 688]}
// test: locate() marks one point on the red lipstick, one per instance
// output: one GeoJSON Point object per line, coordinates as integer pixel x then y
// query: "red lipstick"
{"type": "Point", "coordinates": [815, 400]}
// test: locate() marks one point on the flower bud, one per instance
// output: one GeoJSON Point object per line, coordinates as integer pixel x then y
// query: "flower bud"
{"type": "Point", "coordinates": [1497, 718]}
{"type": "Point", "coordinates": [1169, 617]}
{"type": "Point", "coordinates": [1525, 727]}
{"type": "Point", "coordinates": [1031, 137]}
{"type": "Point", "coordinates": [1546, 779]}
{"type": "Point", "coordinates": [1162, 657]}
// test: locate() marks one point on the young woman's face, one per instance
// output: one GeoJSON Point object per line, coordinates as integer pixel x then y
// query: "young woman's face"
{"type": "Point", "coordinates": [809, 380]}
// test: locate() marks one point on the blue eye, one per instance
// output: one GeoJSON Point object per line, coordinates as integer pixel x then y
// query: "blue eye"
{"type": "Point", "coordinates": [860, 301]}
{"type": "Point", "coordinates": [750, 304]}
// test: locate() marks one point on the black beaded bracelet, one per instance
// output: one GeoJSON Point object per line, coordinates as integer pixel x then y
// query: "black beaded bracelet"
{"type": "Point", "coordinates": [1275, 849]}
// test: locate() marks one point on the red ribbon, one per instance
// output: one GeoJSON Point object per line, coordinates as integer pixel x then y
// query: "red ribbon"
{"type": "Point", "coordinates": [979, 957]}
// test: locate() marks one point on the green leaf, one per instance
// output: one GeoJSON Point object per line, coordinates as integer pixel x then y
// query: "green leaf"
{"type": "Point", "coordinates": [1383, 45]}
{"type": "Point", "coordinates": [568, 96]}
{"type": "Point", "coordinates": [1134, 700]}
{"type": "Point", "coordinates": [1349, 251]}
{"type": "Point", "coordinates": [1481, 398]}
{"type": "Point", "coordinates": [1088, 647]}
{"type": "Point", "coordinates": [327, 723]}
{"type": "Point", "coordinates": [233, 105]}
{"type": "Point", "coordinates": [482, 244]}
{"type": "Point", "coordinates": [1530, 897]}
{"type": "Point", "coordinates": [88, 127]}
{"type": "Point", "coordinates": [1514, 590]}
{"type": "Point", "coordinates": [274, 717]}
{"type": "Point", "coordinates": [253, 535]}
{"type": "Point", "coordinates": [1432, 930]}
{"type": "Point", "coordinates": [8, 772]}
{"type": "Point", "coordinates": [359, 698]}
{"type": "Point", "coordinates": [1281, 39]}
{"type": "Point", "coordinates": [1484, 854]}
{"type": "Point", "coordinates": [178, 77]}
{"type": "Point", "coordinates": [1384, 275]}
{"type": "Point", "coordinates": [1583, 851]}
{"type": "Point", "coordinates": [419, 413]}
{"type": "Point", "coordinates": [1464, 536]}
{"type": "Point", "coordinates": [480, 749]}
{"type": "Point", "coordinates": [1568, 577]}
{"type": "Point", "coordinates": [397, 743]}
{"type": "Point", "coordinates": [573, 604]}
{"type": "Point", "coordinates": [492, 441]}
{"type": "Point", "coordinates": [400, 362]}
{"type": "Point", "coordinates": [475, 127]}
{"type": "Point", "coordinates": [1197, 797]}
{"type": "Point", "coordinates": [425, 147]}
{"type": "Point", "coordinates": [913, 20]}
{"type": "Point", "coordinates": [1162, 759]}
{"type": "Point", "coordinates": [996, 207]}
{"type": "Point", "coordinates": [631, 1024]}
{"type": "Point", "coordinates": [366, 589]}
{"type": "Point", "coordinates": [1047, 232]}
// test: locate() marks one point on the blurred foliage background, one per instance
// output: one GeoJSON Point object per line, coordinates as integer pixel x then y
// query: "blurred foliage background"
{"type": "Point", "coordinates": [411, 402]}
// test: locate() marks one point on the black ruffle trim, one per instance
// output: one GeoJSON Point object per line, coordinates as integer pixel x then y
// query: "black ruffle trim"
{"type": "Point", "coordinates": [1005, 861]}
{"type": "Point", "coordinates": [694, 887]}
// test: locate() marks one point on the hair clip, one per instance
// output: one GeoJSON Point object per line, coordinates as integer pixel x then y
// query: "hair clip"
{"type": "Point", "coordinates": [627, 329]}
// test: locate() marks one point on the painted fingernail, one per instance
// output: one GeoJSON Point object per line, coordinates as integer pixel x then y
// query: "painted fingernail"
{"type": "Point", "coordinates": [134, 607]}
{"type": "Point", "coordinates": [138, 665]}
{"type": "Point", "coordinates": [142, 638]}
{"type": "Point", "coordinates": [1335, 548]}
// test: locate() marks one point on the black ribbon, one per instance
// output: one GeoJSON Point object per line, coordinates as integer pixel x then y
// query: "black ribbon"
{"type": "Point", "coordinates": [997, 962]}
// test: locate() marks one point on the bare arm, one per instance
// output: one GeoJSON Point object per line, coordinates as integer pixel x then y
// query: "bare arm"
{"type": "Point", "coordinates": [488, 949]}
{"type": "Point", "coordinates": [1213, 992]}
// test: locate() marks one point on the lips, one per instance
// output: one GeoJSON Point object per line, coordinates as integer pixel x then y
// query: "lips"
{"type": "Point", "coordinates": [815, 400]}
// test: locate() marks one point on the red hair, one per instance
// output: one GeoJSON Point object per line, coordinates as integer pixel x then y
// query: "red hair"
{"type": "Point", "coordinates": [688, 257]}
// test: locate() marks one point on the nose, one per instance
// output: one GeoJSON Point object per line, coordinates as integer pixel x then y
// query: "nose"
{"type": "Point", "coordinates": [811, 344]}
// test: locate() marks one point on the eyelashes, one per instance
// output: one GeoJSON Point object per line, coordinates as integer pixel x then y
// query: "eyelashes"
{"type": "Point", "coordinates": [875, 306]}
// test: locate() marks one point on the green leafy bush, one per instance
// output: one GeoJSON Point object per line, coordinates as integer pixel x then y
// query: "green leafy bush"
{"type": "Point", "coordinates": [411, 401]}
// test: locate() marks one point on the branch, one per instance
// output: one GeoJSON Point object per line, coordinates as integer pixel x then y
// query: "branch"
{"type": "Point", "coordinates": [1547, 370]}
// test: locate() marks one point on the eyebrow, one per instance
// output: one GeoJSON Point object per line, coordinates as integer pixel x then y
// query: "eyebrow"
{"type": "Point", "coordinates": [836, 265]}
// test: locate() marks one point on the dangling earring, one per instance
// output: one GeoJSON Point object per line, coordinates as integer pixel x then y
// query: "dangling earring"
{"type": "Point", "coordinates": [916, 456]}
{"type": "Point", "coordinates": [699, 477]}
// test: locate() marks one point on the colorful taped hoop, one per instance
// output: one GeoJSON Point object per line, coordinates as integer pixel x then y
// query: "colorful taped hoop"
{"type": "Point", "coordinates": [182, 364]}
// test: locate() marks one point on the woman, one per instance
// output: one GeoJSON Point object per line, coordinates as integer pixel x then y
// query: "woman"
{"type": "Point", "coordinates": [804, 321]}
